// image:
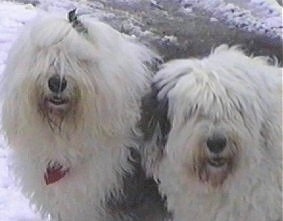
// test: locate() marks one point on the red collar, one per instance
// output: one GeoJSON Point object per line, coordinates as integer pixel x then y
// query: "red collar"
{"type": "Point", "coordinates": [54, 172]}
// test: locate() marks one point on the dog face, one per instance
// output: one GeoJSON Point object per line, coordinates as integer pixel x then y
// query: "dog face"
{"type": "Point", "coordinates": [75, 78]}
{"type": "Point", "coordinates": [207, 146]}
{"type": "Point", "coordinates": [216, 114]}
{"type": "Point", "coordinates": [48, 82]}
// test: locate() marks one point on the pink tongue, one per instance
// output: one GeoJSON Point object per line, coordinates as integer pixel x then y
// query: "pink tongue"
{"type": "Point", "coordinates": [54, 173]}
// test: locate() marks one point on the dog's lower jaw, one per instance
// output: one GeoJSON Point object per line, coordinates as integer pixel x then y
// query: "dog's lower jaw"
{"type": "Point", "coordinates": [210, 170]}
{"type": "Point", "coordinates": [55, 113]}
{"type": "Point", "coordinates": [214, 176]}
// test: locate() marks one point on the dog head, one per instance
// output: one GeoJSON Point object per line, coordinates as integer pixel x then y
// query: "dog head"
{"type": "Point", "coordinates": [75, 73]}
{"type": "Point", "coordinates": [215, 111]}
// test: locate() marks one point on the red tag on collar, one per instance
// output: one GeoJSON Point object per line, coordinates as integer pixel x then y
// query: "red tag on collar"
{"type": "Point", "coordinates": [54, 172]}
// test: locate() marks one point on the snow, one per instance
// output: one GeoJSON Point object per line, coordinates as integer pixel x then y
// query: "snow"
{"type": "Point", "coordinates": [259, 16]}
{"type": "Point", "coordinates": [254, 15]}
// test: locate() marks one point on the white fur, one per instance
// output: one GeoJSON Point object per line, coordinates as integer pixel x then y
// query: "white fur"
{"type": "Point", "coordinates": [109, 71]}
{"type": "Point", "coordinates": [241, 97]}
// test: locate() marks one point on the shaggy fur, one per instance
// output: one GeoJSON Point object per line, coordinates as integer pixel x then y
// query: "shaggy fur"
{"type": "Point", "coordinates": [71, 101]}
{"type": "Point", "coordinates": [214, 137]}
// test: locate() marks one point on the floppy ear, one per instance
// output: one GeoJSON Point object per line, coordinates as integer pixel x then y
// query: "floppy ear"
{"type": "Point", "coordinates": [154, 115]}
{"type": "Point", "coordinates": [271, 131]}
{"type": "Point", "coordinates": [271, 134]}
{"type": "Point", "coordinates": [155, 127]}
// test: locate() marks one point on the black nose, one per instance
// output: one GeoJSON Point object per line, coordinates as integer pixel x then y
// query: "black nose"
{"type": "Point", "coordinates": [216, 144]}
{"type": "Point", "coordinates": [57, 83]}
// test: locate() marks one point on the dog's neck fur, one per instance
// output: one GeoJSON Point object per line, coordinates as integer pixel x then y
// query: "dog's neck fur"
{"type": "Point", "coordinates": [119, 188]}
{"type": "Point", "coordinates": [98, 166]}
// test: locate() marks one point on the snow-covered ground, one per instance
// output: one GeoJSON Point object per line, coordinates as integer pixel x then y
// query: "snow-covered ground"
{"type": "Point", "coordinates": [13, 15]}
{"type": "Point", "coordinates": [263, 16]}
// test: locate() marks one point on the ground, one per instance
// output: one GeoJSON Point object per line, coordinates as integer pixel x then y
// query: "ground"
{"type": "Point", "coordinates": [185, 28]}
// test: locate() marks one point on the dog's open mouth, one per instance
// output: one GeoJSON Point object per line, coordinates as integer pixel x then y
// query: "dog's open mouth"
{"type": "Point", "coordinates": [57, 101]}
{"type": "Point", "coordinates": [55, 109]}
{"type": "Point", "coordinates": [57, 105]}
{"type": "Point", "coordinates": [217, 162]}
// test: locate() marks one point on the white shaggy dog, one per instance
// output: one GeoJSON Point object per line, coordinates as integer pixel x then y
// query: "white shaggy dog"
{"type": "Point", "coordinates": [71, 100]}
{"type": "Point", "coordinates": [216, 148]}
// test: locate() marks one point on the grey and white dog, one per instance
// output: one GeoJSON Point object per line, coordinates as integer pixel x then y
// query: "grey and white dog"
{"type": "Point", "coordinates": [213, 128]}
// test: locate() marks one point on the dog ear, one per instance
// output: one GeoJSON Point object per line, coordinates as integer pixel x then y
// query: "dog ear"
{"type": "Point", "coordinates": [271, 142]}
{"type": "Point", "coordinates": [155, 127]}
{"type": "Point", "coordinates": [271, 127]}
{"type": "Point", "coordinates": [154, 116]}
{"type": "Point", "coordinates": [271, 134]}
